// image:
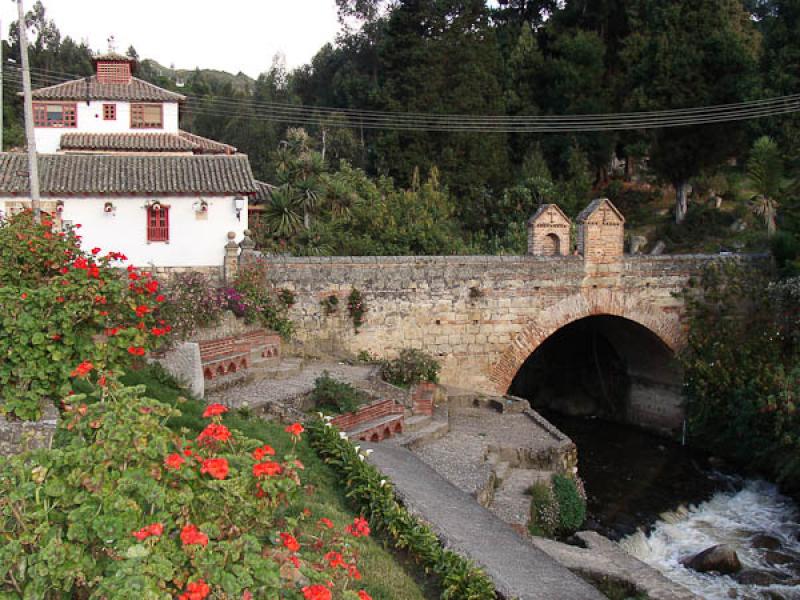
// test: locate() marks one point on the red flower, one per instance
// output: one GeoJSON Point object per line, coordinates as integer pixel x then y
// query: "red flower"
{"type": "Point", "coordinates": [95, 250]}
{"type": "Point", "coordinates": [142, 310]}
{"type": "Point", "coordinates": [152, 286]}
{"type": "Point", "coordinates": [83, 369]}
{"type": "Point", "coordinates": [359, 528]}
{"type": "Point", "coordinates": [174, 462]}
{"type": "Point", "coordinates": [197, 590]}
{"type": "Point", "coordinates": [55, 337]}
{"type": "Point", "coordinates": [156, 529]}
{"type": "Point", "coordinates": [268, 468]}
{"type": "Point", "coordinates": [60, 299]}
{"type": "Point", "coordinates": [362, 595]}
{"type": "Point", "coordinates": [316, 592]}
{"type": "Point", "coordinates": [192, 536]}
{"type": "Point", "coordinates": [296, 429]}
{"type": "Point", "coordinates": [160, 298]}
{"type": "Point", "coordinates": [352, 571]}
{"type": "Point", "coordinates": [335, 559]}
{"type": "Point", "coordinates": [214, 410]}
{"type": "Point", "coordinates": [265, 450]}
{"type": "Point", "coordinates": [136, 351]}
{"type": "Point", "coordinates": [214, 432]}
{"type": "Point", "coordinates": [24, 296]}
{"type": "Point", "coordinates": [326, 523]}
{"type": "Point", "coordinates": [290, 542]}
{"type": "Point", "coordinates": [216, 467]}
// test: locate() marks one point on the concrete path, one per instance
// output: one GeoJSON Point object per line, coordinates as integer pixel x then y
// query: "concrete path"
{"type": "Point", "coordinates": [518, 569]}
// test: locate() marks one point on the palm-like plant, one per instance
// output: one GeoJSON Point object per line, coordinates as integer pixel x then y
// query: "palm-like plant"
{"type": "Point", "coordinates": [765, 169]}
{"type": "Point", "coordinates": [283, 212]}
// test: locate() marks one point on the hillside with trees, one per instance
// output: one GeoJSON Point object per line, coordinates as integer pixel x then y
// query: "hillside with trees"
{"type": "Point", "coordinates": [400, 191]}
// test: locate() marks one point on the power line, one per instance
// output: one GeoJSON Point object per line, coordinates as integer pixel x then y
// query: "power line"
{"type": "Point", "coordinates": [216, 106]}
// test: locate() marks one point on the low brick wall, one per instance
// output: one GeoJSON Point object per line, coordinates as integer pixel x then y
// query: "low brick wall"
{"type": "Point", "coordinates": [373, 412]}
{"type": "Point", "coordinates": [422, 398]}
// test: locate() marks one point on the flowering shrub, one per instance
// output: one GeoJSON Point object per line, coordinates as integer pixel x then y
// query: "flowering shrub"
{"type": "Point", "coordinates": [192, 302]}
{"type": "Point", "coordinates": [249, 297]}
{"type": "Point", "coordinates": [356, 308]}
{"type": "Point", "coordinates": [410, 367]}
{"type": "Point", "coordinates": [67, 314]}
{"type": "Point", "coordinates": [371, 493]}
{"type": "Point", "coordinates": [127, 509]}
{"type": "Point", "coordinates": [544, 511]}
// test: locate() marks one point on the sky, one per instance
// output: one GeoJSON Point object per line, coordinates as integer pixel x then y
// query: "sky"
{"type": "Point", "coordinates": [231, 35]}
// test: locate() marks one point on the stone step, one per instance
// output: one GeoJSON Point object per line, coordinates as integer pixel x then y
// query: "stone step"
{"type": "Point", "coordinates": [287, 367]}
{"type": "Point", "coordinates": [416, 422]}
{"type": "Point", "coordinates": [432, 430]}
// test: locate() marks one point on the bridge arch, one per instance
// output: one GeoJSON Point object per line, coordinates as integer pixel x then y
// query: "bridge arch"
{"type": "Point", "coordinates": [645, 341]}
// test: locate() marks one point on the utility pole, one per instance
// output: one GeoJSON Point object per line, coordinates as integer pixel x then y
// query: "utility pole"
{"type": "Point", "coordinates": [33, 164]}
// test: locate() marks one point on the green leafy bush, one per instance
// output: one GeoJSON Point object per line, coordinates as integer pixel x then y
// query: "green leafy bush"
{"type": "Point", "coordinates": [192, 302]}
{"type": "Point", "coordinates": [67, 312]}
{"type": "Point", "coordinates": [331, 395]}
{"type": "Point", "coordinates": [571, 504]}
{"type": "Point", "coordinates": [127, 509]}
{"type": "Point", "coordinates": [356, 308]}
{"type": "Point", "coordinates": [368, 489]}
{"type": "Point", "coordinates": [544, 511]}
{"type": "Point", "coordinates": [251, 298]}
{"type": "Point", "coordinates": [741, 369]}
{"type": "Point", "coordinates": [410, 367]}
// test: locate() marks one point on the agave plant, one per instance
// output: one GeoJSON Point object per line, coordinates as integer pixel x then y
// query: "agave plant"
{"type": "Point", "coordinates": [765, 169]}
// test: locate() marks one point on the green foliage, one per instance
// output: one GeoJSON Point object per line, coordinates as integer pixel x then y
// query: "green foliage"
{"type": "Point", "coordinates": [356, 308]}
{"type": "Point", "coordinates": [765, 170]}
{"type": "Point", "coordinates": [61, 307]}
{"type": "Point", "coordinates": [330, 304]}
{"type": "Point", "coordinates": [369, 491]}
{"type": "Point", "coordinates": [259, 304]}
{"type": "Point", "coordinates": [571, 504]}
{"type": "Point", "coordinates": [558, 508]}
{"type": "Point", "coordinates": [125, 510]}
{"type": "Point", "coordinates": [544, 511]}
{"type": "Point", "coordinates": [741, 369]}
{"type": "Point", "coordinates": [332, 396]}
{"type": "Point", "coordinates": [410, 367]}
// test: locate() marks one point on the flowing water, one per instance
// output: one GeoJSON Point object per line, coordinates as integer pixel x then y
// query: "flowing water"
{"type": "Point", "coordinates": [666, 503]}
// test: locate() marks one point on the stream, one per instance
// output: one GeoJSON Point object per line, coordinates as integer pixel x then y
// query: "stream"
{"type": "Point", "coordinates": [664, 503]}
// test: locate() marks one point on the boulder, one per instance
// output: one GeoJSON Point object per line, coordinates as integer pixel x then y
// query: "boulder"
{"type": "Point", "coordinates": [767, 542]}
{"type": "Point", "coordinates": [658, 249]}
{"type": "Point", "coordinates": [755, 577]}
{"type": "Point", "coordinates": [779, 558]}
{"type": "Point", "coordinates": [720, 559]}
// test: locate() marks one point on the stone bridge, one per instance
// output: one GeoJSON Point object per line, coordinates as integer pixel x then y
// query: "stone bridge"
{"type": "Point", "coordinates": [489, 319]}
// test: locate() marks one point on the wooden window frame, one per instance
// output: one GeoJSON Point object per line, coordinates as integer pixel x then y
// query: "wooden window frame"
{"type": "Point", "coordinates": [140, 105]}
{"type": "Point", "coordinates": [158, 224]}
{"type": "Point", "coordinates": [40, 115]}
{"type": "Point", "coordinates": [109, 112]}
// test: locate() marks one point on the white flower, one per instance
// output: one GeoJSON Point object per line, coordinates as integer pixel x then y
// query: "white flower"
{"type": "Point", "coordinates": [321, 416]}
{"type": "Point", "coordinates": [383, 482]}
{"type": "Point", "coordinates": [328, 418]}
{"type": "Point", "coordinates": [343, 435]}
{"type": "Point", "coordinates": [368, 451]}
{"type": "Point", "coordinates": [361, 457]}
{"type": "Point", "coordinates": [357, 448]}
{"type": "Point", "coordinates": [328, 425]}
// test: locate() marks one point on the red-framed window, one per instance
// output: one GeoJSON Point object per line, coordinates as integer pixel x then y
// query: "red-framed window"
{"type": "Point", "coordinates": [55, 114]}
{"type": "Point", "coordinates": [109, 112]}
{"type": "Point", "coordinates": [158, 224]}
{"type": "Point", "coordinates": [147, 116]}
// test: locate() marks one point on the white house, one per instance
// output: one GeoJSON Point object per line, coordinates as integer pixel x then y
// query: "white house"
{"type": "Point", "coordinates": [113, 158]}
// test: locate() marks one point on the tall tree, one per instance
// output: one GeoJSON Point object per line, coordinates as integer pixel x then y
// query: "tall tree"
{"type": "Point", "coordinates": [681, 54]}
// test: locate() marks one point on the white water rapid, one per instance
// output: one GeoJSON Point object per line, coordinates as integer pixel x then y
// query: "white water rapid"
{"type": "Point", "coordinates": [754, 508]}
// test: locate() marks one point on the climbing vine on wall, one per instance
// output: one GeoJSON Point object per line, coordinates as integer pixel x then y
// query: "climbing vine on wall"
{"type": "Point", "coordinates": [357, 308]}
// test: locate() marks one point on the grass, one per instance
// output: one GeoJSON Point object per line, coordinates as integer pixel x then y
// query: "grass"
{"type": "Point", "coordinates": [386, 576]}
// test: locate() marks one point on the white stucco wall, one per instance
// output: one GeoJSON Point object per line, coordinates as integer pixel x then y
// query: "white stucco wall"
{"type": "Point", "coordinates": [90, 120]}
{"type": "Point", "coordinates": [193, 241]}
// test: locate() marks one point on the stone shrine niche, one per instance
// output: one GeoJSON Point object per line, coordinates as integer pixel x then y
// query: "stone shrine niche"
{"type": "Point", "coordinates": [549, 232]}
{"type": "Point", "coordinates": [601, 231]}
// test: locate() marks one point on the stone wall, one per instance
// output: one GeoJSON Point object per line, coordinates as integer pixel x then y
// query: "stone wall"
{"type": "Point", "coordinates": [19, 436]}
{"type": "Point", "coordinates": [482, 337]}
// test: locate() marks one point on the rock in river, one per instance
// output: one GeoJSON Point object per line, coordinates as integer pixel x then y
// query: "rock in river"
{"type": "Point", "coordinates": [721, 558]}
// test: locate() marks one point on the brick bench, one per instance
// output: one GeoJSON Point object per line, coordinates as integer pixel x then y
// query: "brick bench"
{"type": "Point", "coordinates": [234, 354]}
{"type": "Point", "coordinates": [374, 422]}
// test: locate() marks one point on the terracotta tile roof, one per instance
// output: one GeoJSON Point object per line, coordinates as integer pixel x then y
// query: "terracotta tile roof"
{"type": "Point", "coordinates": [264, 192]}
{"type": "Point", "coordinates": [89, 87]}
{"type": "Point", "coordinates": [99, 174]}
{"type": "Point", "coordinates": [144, 142]}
